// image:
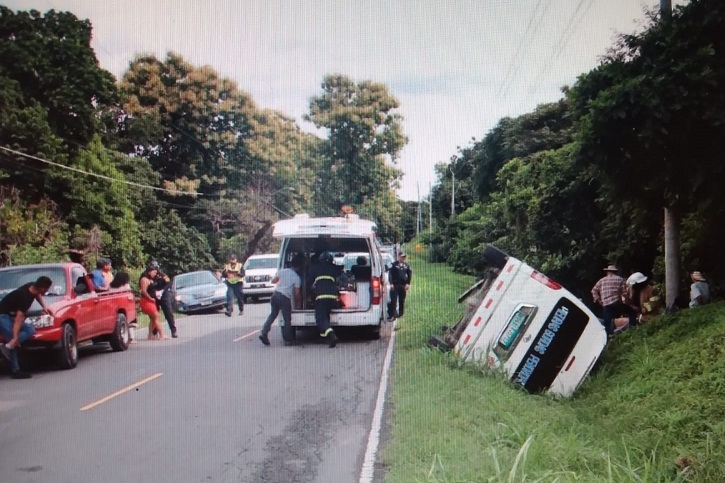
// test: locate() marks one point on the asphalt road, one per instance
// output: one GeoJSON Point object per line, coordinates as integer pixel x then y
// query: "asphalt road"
{"type": "Point", "coordinates": [214, 405]}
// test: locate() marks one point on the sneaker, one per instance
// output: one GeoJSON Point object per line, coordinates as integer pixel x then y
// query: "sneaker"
{"type": "Point", "coordinates": [265, 339]}
{"type": "Point", "coordinates": [228, 313]}
{"type": "Point", "coordinates": [21, 375]}
{"type": "Point", "coordinates": [331, 340]}
{"type": "Point", "coordinates": [174, 335]}
{"type": "Point", "coordinates": [5, 351]}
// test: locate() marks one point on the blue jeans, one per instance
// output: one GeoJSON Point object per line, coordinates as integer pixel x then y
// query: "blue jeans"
{"type": "Point", "coordinates": [234, 290]}
{"type": "Point", "coordinates": [280, 303]}
{"type": "Point", "coordinates": [6, 329]}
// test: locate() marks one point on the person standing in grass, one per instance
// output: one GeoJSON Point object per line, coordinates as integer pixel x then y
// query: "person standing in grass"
{"type": "Point", "coordinates": [699, 290]}
{"type": "Point", "coordinates": [608, 293]}
{"type": "Point", "coordinates": [400, 277]}
{"type": "Point", "coordinates": [288, 294]}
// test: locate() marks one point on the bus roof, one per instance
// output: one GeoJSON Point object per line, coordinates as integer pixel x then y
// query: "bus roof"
{"type": "Point", "coordinates": [302, 225]}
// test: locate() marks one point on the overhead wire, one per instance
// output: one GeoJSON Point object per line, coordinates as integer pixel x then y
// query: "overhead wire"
{"type": "Point", "coordinates": [566, 36]}
{"type": "Point", "coordinates": [514, 59]}
{"type": "Point", "coordinates": [131, 183]}
{"type": "Point", "coordinates": [514, 63]}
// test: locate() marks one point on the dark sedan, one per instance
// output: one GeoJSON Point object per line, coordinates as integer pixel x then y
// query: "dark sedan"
{"type": "Point", "coordinates": [198, 291]}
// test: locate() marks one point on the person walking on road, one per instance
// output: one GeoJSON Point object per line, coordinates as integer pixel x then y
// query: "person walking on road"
{"type": "Point", "coordinates": [287, 295]}
{"type": "Point", "coordinates": [164, 297]}
{"type": "Point", "coordinates": [608, 293]}
{"type": "Point", "coordinates": [324, 284]}
{"type": "Point", "coordinates": [234, 278]}
{"type": "Point", "coordinates": [13, 327]}
{"type": "Point", "coordinates": [148, 302]}
{"type": "Point", "coordinates": [400, 277]}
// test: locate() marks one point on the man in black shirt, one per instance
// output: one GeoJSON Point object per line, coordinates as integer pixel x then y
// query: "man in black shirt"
{"type": "Point", "coordinates": [400, 278]}
{"type": "Point", "coordinates": [13, 327]}
{"type": "Point", "coordinates": [162, 286]}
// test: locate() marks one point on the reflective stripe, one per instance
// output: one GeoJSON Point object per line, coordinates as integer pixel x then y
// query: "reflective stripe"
{"type": "Point", "coordinates": [325, 277]}
{"type": "Point", "coordinates": [326, 333]}
{"type": "Point", "coordinates": [326, 296]}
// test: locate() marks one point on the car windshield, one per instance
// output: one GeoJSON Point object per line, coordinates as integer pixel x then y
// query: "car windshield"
{"type": "Point", "coordinates": [256, 263]}
{"type": "Point", "coordinates": [12, 278]}
{"type": "Point", "coordinates": [196, 278]}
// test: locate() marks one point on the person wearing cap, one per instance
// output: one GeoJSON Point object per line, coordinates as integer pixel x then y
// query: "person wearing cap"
{"type": "Point", "coordinates": [400, 277]}
{"type": "Point", "coordinates": [640, 295]}
{"type": "Point", "coordinates": [234, 278]}
{"type": "Point", "coordinates": [699, 290]}
{"type": "Point", "coordinates": [608, 293]}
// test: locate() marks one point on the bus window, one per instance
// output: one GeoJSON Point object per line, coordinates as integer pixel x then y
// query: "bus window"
{"type": "Point", "coordinates": [514, 329]}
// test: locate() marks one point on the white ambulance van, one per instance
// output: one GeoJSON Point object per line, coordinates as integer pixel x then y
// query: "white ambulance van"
{"type": "Point", "coordinates": [362, 288]}
{"type": "Point", "coordinates": [518, 320]}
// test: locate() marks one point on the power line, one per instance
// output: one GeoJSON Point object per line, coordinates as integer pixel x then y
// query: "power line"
{"type": "Point", "coordinates": [101, 176]}
{"type": "Point", "coordinates": [533, 34]}
{"type": "Point", "coordinates": [518, 50]}
{"type": "Point", "coordinates": [130, 183]}
{"type": "Point", "coordinates": [565, 38]}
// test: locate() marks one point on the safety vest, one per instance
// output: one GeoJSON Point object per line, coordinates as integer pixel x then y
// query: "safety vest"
{"type": "Point", "coordinates": [233, 267]}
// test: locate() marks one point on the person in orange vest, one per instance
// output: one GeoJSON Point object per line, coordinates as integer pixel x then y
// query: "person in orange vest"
{"type": "Point", "coordinates": [233, 275]}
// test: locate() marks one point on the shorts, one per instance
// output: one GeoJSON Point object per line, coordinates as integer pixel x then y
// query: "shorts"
{"type": "Point", "coordinates": [149, 307]}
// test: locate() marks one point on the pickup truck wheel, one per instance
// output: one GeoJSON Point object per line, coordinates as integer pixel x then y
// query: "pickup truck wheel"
{"type": "Point", "coordinates": [119, 338]}
{"type": "Point", "coordinates": [68, 355]}
{"type": "Point", "coordinates": [495, 257]}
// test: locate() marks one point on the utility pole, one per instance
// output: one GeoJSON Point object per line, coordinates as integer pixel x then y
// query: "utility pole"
{"type": "Point", "coordinates": [671, 221]}
{"type": "Point", "coordinates": [453, 193]}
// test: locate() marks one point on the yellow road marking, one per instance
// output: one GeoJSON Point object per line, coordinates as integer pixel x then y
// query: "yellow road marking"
{"type": "Point", "coordinates": [247, 335]}
{"type": "Point", "coordinates": [122, 391]}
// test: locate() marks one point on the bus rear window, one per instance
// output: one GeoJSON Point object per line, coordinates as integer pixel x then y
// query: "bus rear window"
{"type": "Point", "coordinates": [515, 328]}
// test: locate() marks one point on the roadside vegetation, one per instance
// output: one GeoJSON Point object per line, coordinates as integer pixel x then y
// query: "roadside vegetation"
{"type": "Point", "coordinates": [652, 410]}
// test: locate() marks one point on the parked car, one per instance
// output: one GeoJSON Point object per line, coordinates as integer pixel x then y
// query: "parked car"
{"type": "Point", "coordinates": [200, 290]}
{"type": "Point", "coordinates": [79, 313]}
{"type": "Point", "coordinates": [259, 270]}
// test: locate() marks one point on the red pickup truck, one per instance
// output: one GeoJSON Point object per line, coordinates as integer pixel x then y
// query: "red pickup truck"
{"type": "Point", "coordinates": [79, 313]}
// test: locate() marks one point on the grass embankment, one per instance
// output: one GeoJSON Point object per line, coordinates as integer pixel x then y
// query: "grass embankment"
{"type": "Point", "coordinates": [653, 411]}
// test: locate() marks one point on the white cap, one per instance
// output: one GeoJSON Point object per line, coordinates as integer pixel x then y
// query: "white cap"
{"type": "Point", "coordinates": [636, 277]}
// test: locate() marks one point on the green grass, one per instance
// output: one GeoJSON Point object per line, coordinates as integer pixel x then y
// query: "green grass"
{"type": "Point", "coordinates": [652, 411]}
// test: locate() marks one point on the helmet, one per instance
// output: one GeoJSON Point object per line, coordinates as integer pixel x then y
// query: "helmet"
{"type": "Point", "coordinates": [326, 257]}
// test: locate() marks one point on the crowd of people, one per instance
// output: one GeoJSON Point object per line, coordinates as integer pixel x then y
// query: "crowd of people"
{"type": "Point", "coordinates": [628, 303]}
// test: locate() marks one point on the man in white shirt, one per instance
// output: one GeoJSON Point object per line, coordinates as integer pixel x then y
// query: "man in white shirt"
{"type": "Point", "coordinates": [288, 289]}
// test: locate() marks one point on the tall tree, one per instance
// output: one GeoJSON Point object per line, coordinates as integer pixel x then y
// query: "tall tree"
{"type": "Point", "coordinates": [50, 87]}
{"type": "Point", "coordinates": [364, 139]}
{"type": "Point", "coordinates": [653, 113]}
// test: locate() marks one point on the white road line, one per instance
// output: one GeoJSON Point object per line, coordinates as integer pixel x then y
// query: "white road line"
{"type": "Point", "coordinates": [246, 335]}
{"type": "Point", "coordinates": [122, 391]}
{"type": "Point", "coordinates": [368, 466]}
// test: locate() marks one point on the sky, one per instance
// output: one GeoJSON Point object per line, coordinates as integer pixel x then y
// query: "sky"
{"type": "Point", "coordinates": [456, 66]}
